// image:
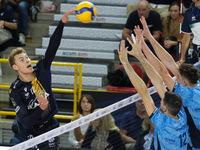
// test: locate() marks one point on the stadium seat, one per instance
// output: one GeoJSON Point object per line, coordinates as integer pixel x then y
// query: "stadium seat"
{"type": "Point", "coordinates": [138, 70]}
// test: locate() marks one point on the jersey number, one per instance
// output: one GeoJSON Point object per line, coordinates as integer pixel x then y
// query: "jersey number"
{"type": "Point", "coordinates": [183, 140]}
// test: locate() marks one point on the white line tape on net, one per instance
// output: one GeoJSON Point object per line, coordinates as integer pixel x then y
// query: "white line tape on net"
{"type": "Point", "coordinates": [79, 122]}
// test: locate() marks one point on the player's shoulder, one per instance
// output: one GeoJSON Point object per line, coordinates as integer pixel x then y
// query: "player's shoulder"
{"type": "Point", "coordinates": [188, 11]}
{"type": "Point", "coordinates": [16, 84]}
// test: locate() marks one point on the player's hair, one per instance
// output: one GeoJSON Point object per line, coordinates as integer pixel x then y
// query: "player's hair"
{"type": "Point", "coordinates": [173, 102]}
{"type": "Point", "coordinates": [90, 100]}
{"type": "Point", "coordinates": [107, 123]}
{"type": "Point", "coordinates": [13, 53]}
{"type": "Point", "coordinates": [189, 72]}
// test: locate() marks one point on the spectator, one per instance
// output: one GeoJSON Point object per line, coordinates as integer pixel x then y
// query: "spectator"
{"type": "Point", "coordinates": [23, 7]}
{"type": "Point", "coordinates": [103, 135]}
{"type": "Point", "coordinates": [31, 92]}
{"type": "Point", "coordinates": [8, 22]}
{"type": "Point", "coordinates": [171, 29]}
{"type": "Point", "coordinates": [15, 129]}
{"type": "Point", "coordinates": [171, 130]}
{"type": "Point", "coordinates": [153, 21]}
{"type": "Point", "coordinates": [186, 84]}
{"type": "Point", "coordinates": [191, 24]}
{"type": "Point", "coordinates": [145, 139]}
{"type": "Point", "coordinates": [185, 5]}
{"type": "Point", "coordinates": [160, 6]}
{"type": "Point", "coordinates": [131, 125]}
{"type": "Point", "coordinates": [85, 107]}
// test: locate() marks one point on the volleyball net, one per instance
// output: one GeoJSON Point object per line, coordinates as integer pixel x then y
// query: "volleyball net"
{"type": "Point", "coordinates": [58, 132]}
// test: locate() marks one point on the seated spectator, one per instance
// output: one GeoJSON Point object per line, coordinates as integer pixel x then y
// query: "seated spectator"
{"type": "Point", "coordinates": [15, 128]}
{"type": "Point", "coordinates": [131, 125]}
{"type": "Point", "coordinates": [160, 6]}
{"type": "Point", "coordinates": [153, 21]}
{"type": "Point", "coordinates": [103, 134]}
{"type": "Point", "coordinates": [145, 139]}
{"type": "Point", "coordinates": [171, 29]}
{"type": "Point", "coordinates": [23, 7]}
{"type": "Point", "coordinates": [9, 23]}
{"type": "Point", "coordinates": [85, 107]}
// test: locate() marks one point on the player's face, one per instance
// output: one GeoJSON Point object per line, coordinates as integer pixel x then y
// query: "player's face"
{"type": "Point", "coordinates": [86, 105]}
{"type": "Point", "coordinates": [23, 64]}
{"type": "Point", "coordinates": [143, 10]}
{"type": "Point", "coordinates": [174, 12]}
{"type": "Point", "coordinates": [97, 123]}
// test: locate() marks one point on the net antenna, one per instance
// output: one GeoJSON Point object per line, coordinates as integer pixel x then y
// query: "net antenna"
{"type": "Point", "coordinates": [181, 10]}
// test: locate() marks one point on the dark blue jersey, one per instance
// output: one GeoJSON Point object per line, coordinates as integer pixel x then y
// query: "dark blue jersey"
{"type": "Point", "coordinates": [153, 21]}
{"type": "Point", "coordinates": [24, 94]}
{"type": "Point", "coordinates": [191, 23]}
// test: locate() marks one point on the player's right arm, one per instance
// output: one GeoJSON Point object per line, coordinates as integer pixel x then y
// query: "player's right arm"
{"type": "Point", "coordinates": [155, 62]}
{"type": "Point", "coordinates": [163, 55]}
{"type": "Point", "coordinates": [55, 39]}
{"type": "Point", "coordinates": [137, 82]}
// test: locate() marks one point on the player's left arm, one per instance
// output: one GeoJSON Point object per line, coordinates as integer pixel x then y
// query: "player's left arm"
{"type": "Point", "coordinates": [137, 82]}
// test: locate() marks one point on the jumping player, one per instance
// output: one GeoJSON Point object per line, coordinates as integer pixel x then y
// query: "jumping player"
{"type": "Point", "coordinates": [31, 92]}
{"type": "Point", "coordinates": [171, 130]}
{"type": "Point", "coordinates": [186, 84]}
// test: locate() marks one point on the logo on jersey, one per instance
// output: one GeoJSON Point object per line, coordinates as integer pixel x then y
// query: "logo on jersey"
{"type": "Point", "coordinates": [17, 109]}
{"type": "Point", "coordinates": [15, 84]}
{"type": "Point", "coordinates": [193, 18]}
{"type": "Point", "coordinates": [13, 101]}
{"type": "Point", "coordinates": [26, 95]}
{"type": "Point", "coordinates": [25, 89]}
{"type": "Point", "coordinates": [33, 104]}
{"type": "Point", "coordinates": [38, 89]}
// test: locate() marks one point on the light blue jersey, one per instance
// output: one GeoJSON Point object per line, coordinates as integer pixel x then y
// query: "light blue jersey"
{"type": "Point", "coordinates": [191, 100]}
{"type": "Point", "coordinates": [170, 134]}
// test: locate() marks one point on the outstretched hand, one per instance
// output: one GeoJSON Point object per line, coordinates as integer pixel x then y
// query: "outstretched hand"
{"type": "Point", "coordinates": [65, 17]}
{"type": "Point", "coordinates": [146, 33]}
{"type": "Point", "coordinates": [123, 53]}
{"type": "Point", "coordinates": [136, 48]}
{"type": "Point", "coordinates": [138, 33]}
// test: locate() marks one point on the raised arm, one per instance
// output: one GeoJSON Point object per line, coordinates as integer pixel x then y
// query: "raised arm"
{"type": "Point", "coordinates": [135, 79]}
{"type": "Point", "coordinates": [55, 39]}
{"type": "Point", "coordinates": [151, 72]}
{"type": "Point", "coordinates": [155, 62]}
{"type": "Point", "coordinates": [163, 55]}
